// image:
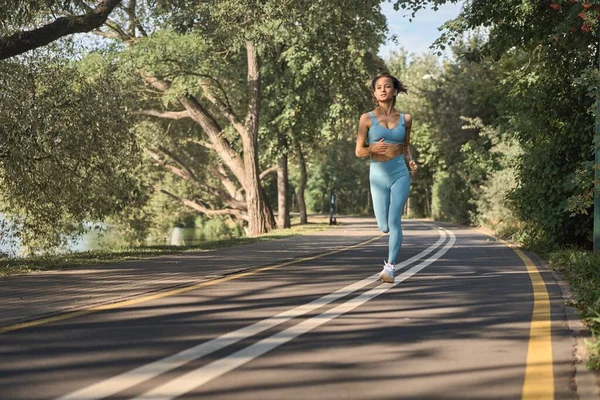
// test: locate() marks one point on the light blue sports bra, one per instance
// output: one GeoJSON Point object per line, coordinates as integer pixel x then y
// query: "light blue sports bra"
{"type": "Point", "coordinates": [395, 135]}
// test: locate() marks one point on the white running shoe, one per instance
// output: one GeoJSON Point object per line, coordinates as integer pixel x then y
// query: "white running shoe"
{"type": "Point", "coordinates": [388, 273]}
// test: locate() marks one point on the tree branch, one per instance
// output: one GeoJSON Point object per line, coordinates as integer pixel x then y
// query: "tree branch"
{"type": "Point", "coordinates": [164, 114]}
{"type": "Point", "coordinates": [209, 125]}
{"type": "Point", "coordinates": [134, 22]}
{"type": "Point", "coordinates": [203, 209]}
{"type": "Point", "coordinates": [221, 175]}
{"type": "Point", "coordinates": [22, 42]}
{"type": "Point", "coordinates": [179, 162]}
{"type": "Point", "coordinates": [200, 143]}
{"type": "Point", "coordinates": [107, 35]}
{"type": "Point", "coordinates": [267, 172]}
{"type": "Point", "coordinates": [118, 32]}
{"type": "Point", "coordinates": [159, 84]}
{"type": "Point", "coordinates": [185, 172]}
{"type": "Point", "coordinates": [238, 193]}
{"type": "Point", "coordinates": [224, 108]}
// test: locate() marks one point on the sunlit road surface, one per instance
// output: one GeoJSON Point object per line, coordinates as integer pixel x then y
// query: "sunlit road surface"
{"type": "Point", "coordinates": [460, 322]}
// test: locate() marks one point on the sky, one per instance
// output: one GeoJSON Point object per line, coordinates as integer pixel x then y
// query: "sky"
{"type": "Point", "coordinates": [418, 35]}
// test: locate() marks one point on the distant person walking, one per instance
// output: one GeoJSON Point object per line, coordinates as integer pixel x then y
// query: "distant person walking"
{"type": "Point", "coordinates": [384, 136]}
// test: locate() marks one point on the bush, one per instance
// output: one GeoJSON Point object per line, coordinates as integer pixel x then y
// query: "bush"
{"type": "Point", "coordinates": [581, 269]}
{"type": "Point", "coordinates": [450, 198]}
{"type": "Point", "coordinates": [218, 228]}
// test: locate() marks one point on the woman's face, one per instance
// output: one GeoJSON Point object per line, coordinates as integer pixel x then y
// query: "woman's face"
{"type": "Point", "coordinates": [384, 89]}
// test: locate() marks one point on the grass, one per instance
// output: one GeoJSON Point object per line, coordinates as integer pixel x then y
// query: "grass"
{"type": "Point", "coordinates": [581, 269]}
{"type": "Point", "coordinates": [12, 265]}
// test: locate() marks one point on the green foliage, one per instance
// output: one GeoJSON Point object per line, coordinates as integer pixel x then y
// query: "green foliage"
{"type": "Point", "coordinates": [450, 198]}
{"type": "Point", "coordinates": [218, 228]}
{"type": "Point", "coordinates": [315, 74]}
{"type": "Point", "coordinates": [68, 154]}
{"type": "Point", "coordinates": [338, 171]}
{"type": "Point", "coordinates": [580, 269]}
{"type": "Point", "coordinates": [15, 12]}
{"type": "Point", "coordinates": [494, 158]}
{"type": "Point", "coordinates": [549, 115]}
{"type": "Point", "coordinates": [314, 64]}
{"type": "Point", "coordinates": [582, 186]}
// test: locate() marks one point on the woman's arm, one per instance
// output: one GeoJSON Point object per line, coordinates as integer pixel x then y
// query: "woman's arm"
{"type": "Point", "coordinates": [407, 150]}
{"type": "Point", "coordinates": [361, 150]}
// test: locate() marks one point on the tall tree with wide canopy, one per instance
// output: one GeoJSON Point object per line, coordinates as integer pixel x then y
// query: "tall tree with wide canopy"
{"type": "Point", "coordinates": [67, 153]}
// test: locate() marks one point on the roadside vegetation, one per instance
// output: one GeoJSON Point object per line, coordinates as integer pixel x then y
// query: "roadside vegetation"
{"type": "Point", "coordinates": [581, 269]}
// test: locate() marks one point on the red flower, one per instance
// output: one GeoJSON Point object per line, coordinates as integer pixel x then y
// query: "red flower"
{"type": "Point", "coordinates": [581, 15]}
{"type": "Point", "coordinates": [586, 5]}
{"type": "Point", "coordinates": [573, 29]}
{"type": "Point", "coordinates": [555, 6]}
{"type": "Point", "coordinates": [586, 28]}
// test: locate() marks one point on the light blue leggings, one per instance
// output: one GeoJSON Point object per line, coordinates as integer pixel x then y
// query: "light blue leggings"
{"type": "Point", "coordinates": [390, 183]}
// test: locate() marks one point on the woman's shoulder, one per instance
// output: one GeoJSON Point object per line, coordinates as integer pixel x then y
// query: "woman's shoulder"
{"type": "Point", "coordinates": [366, 117]}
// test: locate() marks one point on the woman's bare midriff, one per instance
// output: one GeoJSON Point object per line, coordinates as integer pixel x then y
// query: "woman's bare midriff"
{"type": "Point", "coordinates": [394, 151]}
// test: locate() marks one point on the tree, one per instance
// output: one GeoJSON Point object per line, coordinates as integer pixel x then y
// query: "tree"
{"type": "Point", "coordinates": [67, 155]}
{"type": "Point", "coordinates": [168, 63]}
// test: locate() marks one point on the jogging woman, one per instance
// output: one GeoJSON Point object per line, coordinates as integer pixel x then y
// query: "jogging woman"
{"type": "Point", "coordinates": [384, 136]}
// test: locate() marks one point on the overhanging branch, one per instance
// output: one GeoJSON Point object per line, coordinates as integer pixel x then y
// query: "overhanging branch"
{"type": "Point", "coordinates": [22, 42]}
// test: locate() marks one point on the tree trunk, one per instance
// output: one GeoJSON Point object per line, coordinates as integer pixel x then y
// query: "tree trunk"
{"type": "Point", "coordinates": [245, 167]}
{"type": "Point", "coordinates": [283, 205]}
{"type": "Point", "coordinates": [260, 214]}
{"type": "Point", "coordinates": [301, 184]}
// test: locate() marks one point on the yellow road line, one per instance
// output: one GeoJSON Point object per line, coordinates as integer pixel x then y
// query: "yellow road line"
{"type": "Point", "coordinates": [159, 295]}
{"type": "Point", "coordinates": [539, 366]}
{"type": "Point", "coordinates": [539, 370]}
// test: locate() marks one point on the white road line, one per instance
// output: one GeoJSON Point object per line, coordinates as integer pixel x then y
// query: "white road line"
{"type": "Point", "coordinates": [200, 376]}
{"type": "Point", "coordinates": [146, 372]}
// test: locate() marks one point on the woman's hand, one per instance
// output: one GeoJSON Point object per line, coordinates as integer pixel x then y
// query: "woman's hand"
{"type": "Point", "coordinates": [413, 166]}
{"type": "Point", "coordinates": [379, 148]}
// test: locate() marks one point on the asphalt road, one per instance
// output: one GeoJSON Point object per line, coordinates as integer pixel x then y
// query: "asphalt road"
{"type": "Point", "coordinates": [457, 324]}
